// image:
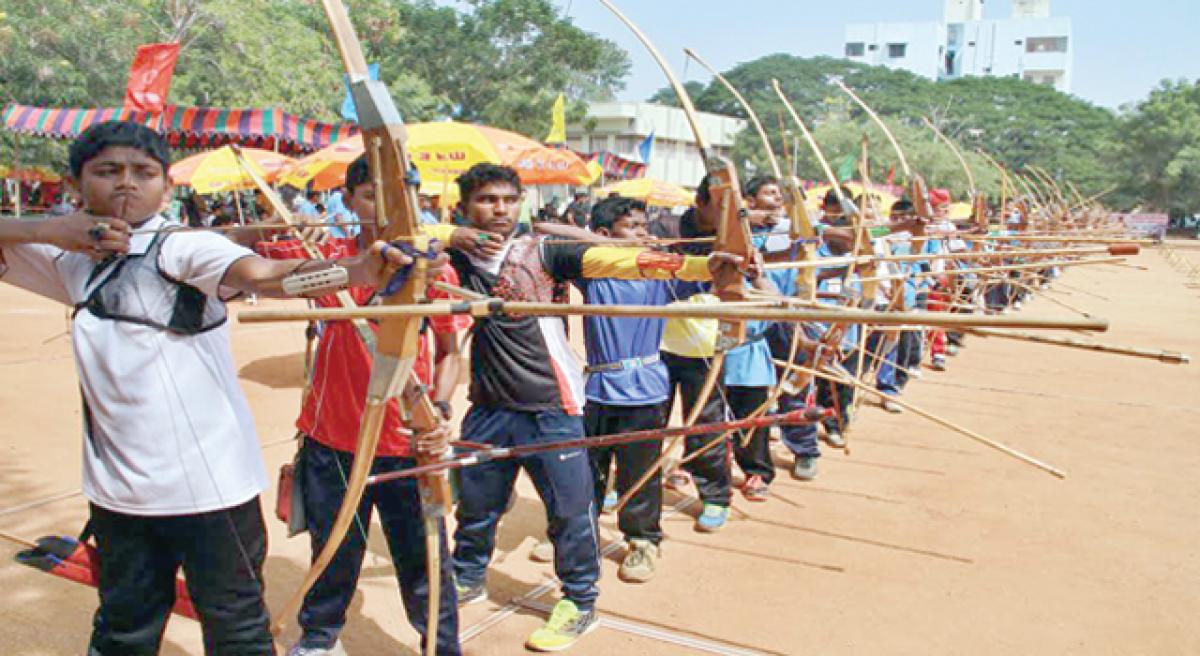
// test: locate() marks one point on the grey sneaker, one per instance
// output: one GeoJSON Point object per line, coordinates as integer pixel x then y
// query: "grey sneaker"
{"type": "Point", "coordinates": [638, 566]}
{"type": "Point", "coordinates": [299, 649]}
{"type": "Point", "coordinates": [805, 468]}
{"type": "Point", "coordinates": [566, 625]}
{"type": "Point", "coordinates": [891, 406]}
{"type": "Point", "coordinates": [834, 439]}
{"type": "Point", "coordinates": [542, 552]}
{"type": "Point", "coordinates": [470, 594]}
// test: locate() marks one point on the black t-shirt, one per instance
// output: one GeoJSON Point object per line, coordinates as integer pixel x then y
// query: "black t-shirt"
{"type": "Point", "coordinates": [524, 362]}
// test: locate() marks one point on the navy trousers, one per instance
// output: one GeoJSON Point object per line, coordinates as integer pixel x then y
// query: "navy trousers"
{"type": "Point", "coordinates": [563, 480]}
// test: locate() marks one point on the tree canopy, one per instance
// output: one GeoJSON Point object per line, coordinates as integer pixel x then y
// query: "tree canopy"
{"type": "Point", "coordinates": [1015, 121]}
{"type": "Point", "coordinates": [499, 62]}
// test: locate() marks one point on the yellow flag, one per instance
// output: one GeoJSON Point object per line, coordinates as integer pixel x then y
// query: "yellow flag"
{"type": "Point", "coordinates": [558, 117]}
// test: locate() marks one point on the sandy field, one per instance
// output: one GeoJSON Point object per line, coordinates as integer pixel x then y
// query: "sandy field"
{"type": "Point", "coordinates": [918, 541]}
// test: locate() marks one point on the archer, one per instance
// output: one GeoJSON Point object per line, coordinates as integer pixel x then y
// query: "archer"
{"type": "Point", "coordinates": [171, 462]}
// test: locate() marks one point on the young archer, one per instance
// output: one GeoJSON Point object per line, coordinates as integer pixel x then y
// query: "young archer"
{"type": "Point", "coordinates": [171, 462]}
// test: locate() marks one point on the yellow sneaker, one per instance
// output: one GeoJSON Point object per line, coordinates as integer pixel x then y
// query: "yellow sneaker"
{"type": "Point", "coordinates": [566, 625]}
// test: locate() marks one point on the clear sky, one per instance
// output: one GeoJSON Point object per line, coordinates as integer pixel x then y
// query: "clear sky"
{"type": "Point", "coordinates": [1123, 48]}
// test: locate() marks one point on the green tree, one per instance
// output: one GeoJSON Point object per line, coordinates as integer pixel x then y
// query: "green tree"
{"type": "Point", "coordinates": [1161, 149]}
{"type": "Point", "coordinates": [503, 62]}
{"type": "Point", "coordinates": [1017, 121]}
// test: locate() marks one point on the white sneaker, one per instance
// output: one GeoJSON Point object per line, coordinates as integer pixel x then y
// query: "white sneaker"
{"type": "Point", "coordinates": [939, 362]}
{"type": "Point", "coordinates": [891, 406]}
{"type": "Point", "coordinates": [914, 372]}
{"type": "Point", "coordinates": [299, 650]}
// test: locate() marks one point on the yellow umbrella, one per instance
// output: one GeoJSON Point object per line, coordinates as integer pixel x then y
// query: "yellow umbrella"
{"type": "Point", "coordinates": [882, 200]}
{"type": "Point", "coordinates": [960, 211]}
{"type": "Point", "coordinates": [652, 192]}
{"type": "Point", "coordinates": [443, 151]}
{"type": "Point", "coordinates": [218, 170]}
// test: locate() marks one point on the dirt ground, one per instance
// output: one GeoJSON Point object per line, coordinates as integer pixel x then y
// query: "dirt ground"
{"type": "Point", "coordinates": [918, 541]}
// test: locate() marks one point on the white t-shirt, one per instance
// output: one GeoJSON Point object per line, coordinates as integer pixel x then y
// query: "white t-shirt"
{"type": "Point", "coordinates": [171, 431]}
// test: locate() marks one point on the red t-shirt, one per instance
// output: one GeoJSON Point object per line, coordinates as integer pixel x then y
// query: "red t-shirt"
{"type": "Point", "coordinates": [331, 410]}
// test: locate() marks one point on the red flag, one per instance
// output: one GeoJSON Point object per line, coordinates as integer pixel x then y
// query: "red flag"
{"type": "Point", "coordinates": [150, 77]}
{"type": "Point", "coordinates": [891, 175]}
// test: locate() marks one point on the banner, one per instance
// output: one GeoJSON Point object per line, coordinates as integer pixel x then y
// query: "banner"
{"type": "Point", "coordinates": [150, 77]}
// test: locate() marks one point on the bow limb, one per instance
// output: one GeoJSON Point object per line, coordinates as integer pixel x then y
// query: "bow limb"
{"type": "Point", "coordinates": [396, 349]}
{"type": "Point", "coordinates": [978, 200]}
{"type": "Point", "coordinates": [733, 236]}
{"type": "Point", "coordinates": [919, 198]}
{"type": "Point", "coordinates": [801, 230]}
{"type": "Point", "coordinates": [957, 153]}
{"type": "Point", "coordinates": [833, 334]}
{"type": "Point", "coordinates": [753, 116]}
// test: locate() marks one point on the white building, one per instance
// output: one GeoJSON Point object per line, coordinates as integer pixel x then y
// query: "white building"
{"type": "Point", "coordinates": [620, 127]}
{"type": "Point", "coordinates": [1032, 44]}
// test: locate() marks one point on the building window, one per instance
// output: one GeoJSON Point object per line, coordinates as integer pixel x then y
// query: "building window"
{"type": "Point", "coordinates": [1019, 42]}
{"type": "Point", "coordinates": [970, 44]}
{"type": "Point", "coordinates": [856, 49]}
{"type": "Point", "coordinates": [897, 50]}
{"type": "Point", "coordinates": [1046, 44]}
{"type": "Point", "coordinates": [1037, 77]}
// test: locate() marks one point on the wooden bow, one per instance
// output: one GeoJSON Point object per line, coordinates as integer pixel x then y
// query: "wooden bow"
{"type": "Point", "coordinates": [733, 236]}
{"type": "Point", "coordinates": [397, 340]}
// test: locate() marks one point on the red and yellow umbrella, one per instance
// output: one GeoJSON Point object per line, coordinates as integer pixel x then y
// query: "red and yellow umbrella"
{"type": "Point", "coordinates": [218, 170]}
{"type": "Point", "coordinates": [444, 150]}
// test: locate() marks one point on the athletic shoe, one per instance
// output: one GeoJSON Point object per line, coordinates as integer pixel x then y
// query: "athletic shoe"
{"type": "Point", "coordinates": [470, 594]}
{"type": "Point", "coordinates": [951, 349]}
{"type": "Point", "coordinates": [638, 566]}
{"type": "Point", "coordinates": [299, 649]}
{"type": "Point", "coordinates": [755, 489]}
{"type": "Point", "coordinates": [834, 439]}
{"type": "Point", "coordinates": [712, 519]}
{"type": "Point", "coordinates": [566, 625]}
{"type": "Point", "coordinates": [610, 502]}
{"type": "Point", "coordinates": [914, 372]}
{"type": "Point", "coordinates": [891, 406]}
{"type": "Point", "coordinates": [939, 362]}
{"type": "Point", "coordinates": [805, 468]}
{"type": "Point", "coordinates": [542, 552]}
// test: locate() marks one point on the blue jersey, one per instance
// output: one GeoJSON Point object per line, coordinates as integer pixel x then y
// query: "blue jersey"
{"type": "Point", "coordinates": [914, 286]}
{"type": "Point", "coordinates": [622, 352]}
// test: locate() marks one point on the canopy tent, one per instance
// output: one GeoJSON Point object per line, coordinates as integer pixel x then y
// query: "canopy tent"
{"type": "Point", "coordinates": [187, 127]}
{"type": "Point", "coordinates": [444, 150]}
